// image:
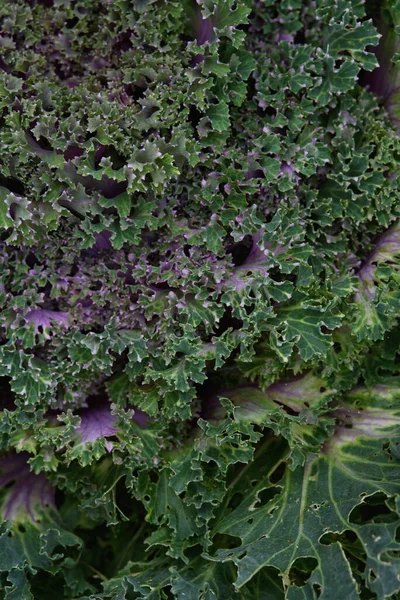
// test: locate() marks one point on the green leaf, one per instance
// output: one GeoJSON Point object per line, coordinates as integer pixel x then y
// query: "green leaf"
{"type": "Point", "coordinates": [312, 504]}
{"type": "Point", "coordinates": [5, 218]}
{"type": "Point", "coordinates": [302, 326]}
{"type": "Point", "coordinates": [353, 40]}
{"type": "Point", "coordinates": [166, 507]}
{"type": "Point", "coordinates": [219, 116]}
{"type": "Point", "coordinates": [211, 581]}
{"type": "Point", "coordinates": [122, 203]}
{"type": "Point", "coordinates": [119, 388]}
{"type": "Point", "coordinates": [214, 236]}
{"type": "Point", "coordinates": [212, 65]}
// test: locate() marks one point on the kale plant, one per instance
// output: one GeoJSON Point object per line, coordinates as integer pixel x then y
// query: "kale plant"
{"type": "Point", "coordinates": [199, 299]}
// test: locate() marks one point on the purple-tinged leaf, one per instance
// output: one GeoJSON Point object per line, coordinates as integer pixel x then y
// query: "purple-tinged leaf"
{"type": "Point", "coordinates": [97, 422]}
{"type": "Point", "coordinates": [384, 81]}
{"type": "Point", "coordinates": [299, 393]}
{"type": "Point", "coordinates": [375, 299]}
{"type": "Point", "coordinates": [204, 28]}
{"type": "Point", "coordinates": [28, 494]}
{"type": "Point", "coordinates": [102, 241]}
{"type": "Point", "coordinates": [45, 318]}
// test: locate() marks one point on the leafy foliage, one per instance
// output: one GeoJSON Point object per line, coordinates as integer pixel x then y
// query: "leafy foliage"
{"type": "Point", "coordinates": [199, 300]}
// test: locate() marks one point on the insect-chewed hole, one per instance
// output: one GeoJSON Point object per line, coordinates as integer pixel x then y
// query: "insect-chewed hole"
{"type": "Point", "coordinates": [372, 575]}
{"type": "Point", "coordinates": [317, 589]}
{"type": "Point", "coordinates": [265, 495]}
{"type": "Point", "coordinates": [235, 500]}
{"type": "Point", "coordinates": [278, 473]}
{"type": "Point", "coordinates": [301, 570]}
{"type": "Point", "coordinates": [373, 509]}
{"type": "Point", "coordinates": [329, 538]}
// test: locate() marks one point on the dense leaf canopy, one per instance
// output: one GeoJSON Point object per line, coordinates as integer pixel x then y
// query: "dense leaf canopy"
{"type": "Point", "coordinates": [199, 299]}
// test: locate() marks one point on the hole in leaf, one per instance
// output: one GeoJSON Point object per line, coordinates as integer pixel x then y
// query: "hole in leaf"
{"type": "Point", "coordinates": [264, 496]}
{"type": "Point", "coordinates": [372, 575]}
{"type": "Point", "coordinates": [390, 555]}
{"type": "Point", "coordinates": [153, 476]}
{"type": "Point", "coordinates": [398, 534]}
{"type": "Point", "coordinates": [225, 541]}
{"type": "Point", "coordinates": [235, 500]}
{"type": "Point", "coordinates": [301, 570]}
{"type": "Point", "coordinates": [278, 473]}
{"type": "Point", "coordinates": [347, 537]}
{"type": "Point", "coordinates": [317, 589]}
{"type": "Point", "coordinates": [373, 509]}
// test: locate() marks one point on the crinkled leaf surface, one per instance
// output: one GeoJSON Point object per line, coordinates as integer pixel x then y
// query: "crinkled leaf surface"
{"type": "Point", "coordinates": [199, 299]}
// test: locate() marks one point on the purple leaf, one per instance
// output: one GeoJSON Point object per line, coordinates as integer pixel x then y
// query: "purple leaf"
{"type": "Point", "coordinates": [141, 418]}
{"type": "Point", "coordinates": [97, 422]}
{"type": "Point", "coordinates": [204, 28]}
{"type": "Point", "coordinates": [102, 241]}
{"type": "Point", "coordinates": [29, 493]}
{"type": "Point", "coordinates": [45, 318]}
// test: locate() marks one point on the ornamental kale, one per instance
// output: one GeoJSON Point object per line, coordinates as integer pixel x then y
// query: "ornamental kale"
{"type": "Point", "coordinates": [199, 299]}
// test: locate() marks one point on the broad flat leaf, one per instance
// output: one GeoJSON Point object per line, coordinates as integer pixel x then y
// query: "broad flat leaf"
{"type": "Point", "coordinates": [203, 581]}
{"type": "Point", "coordinates": [265, 585]}
{"type": "Point", "coordinates": [318, 500]}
